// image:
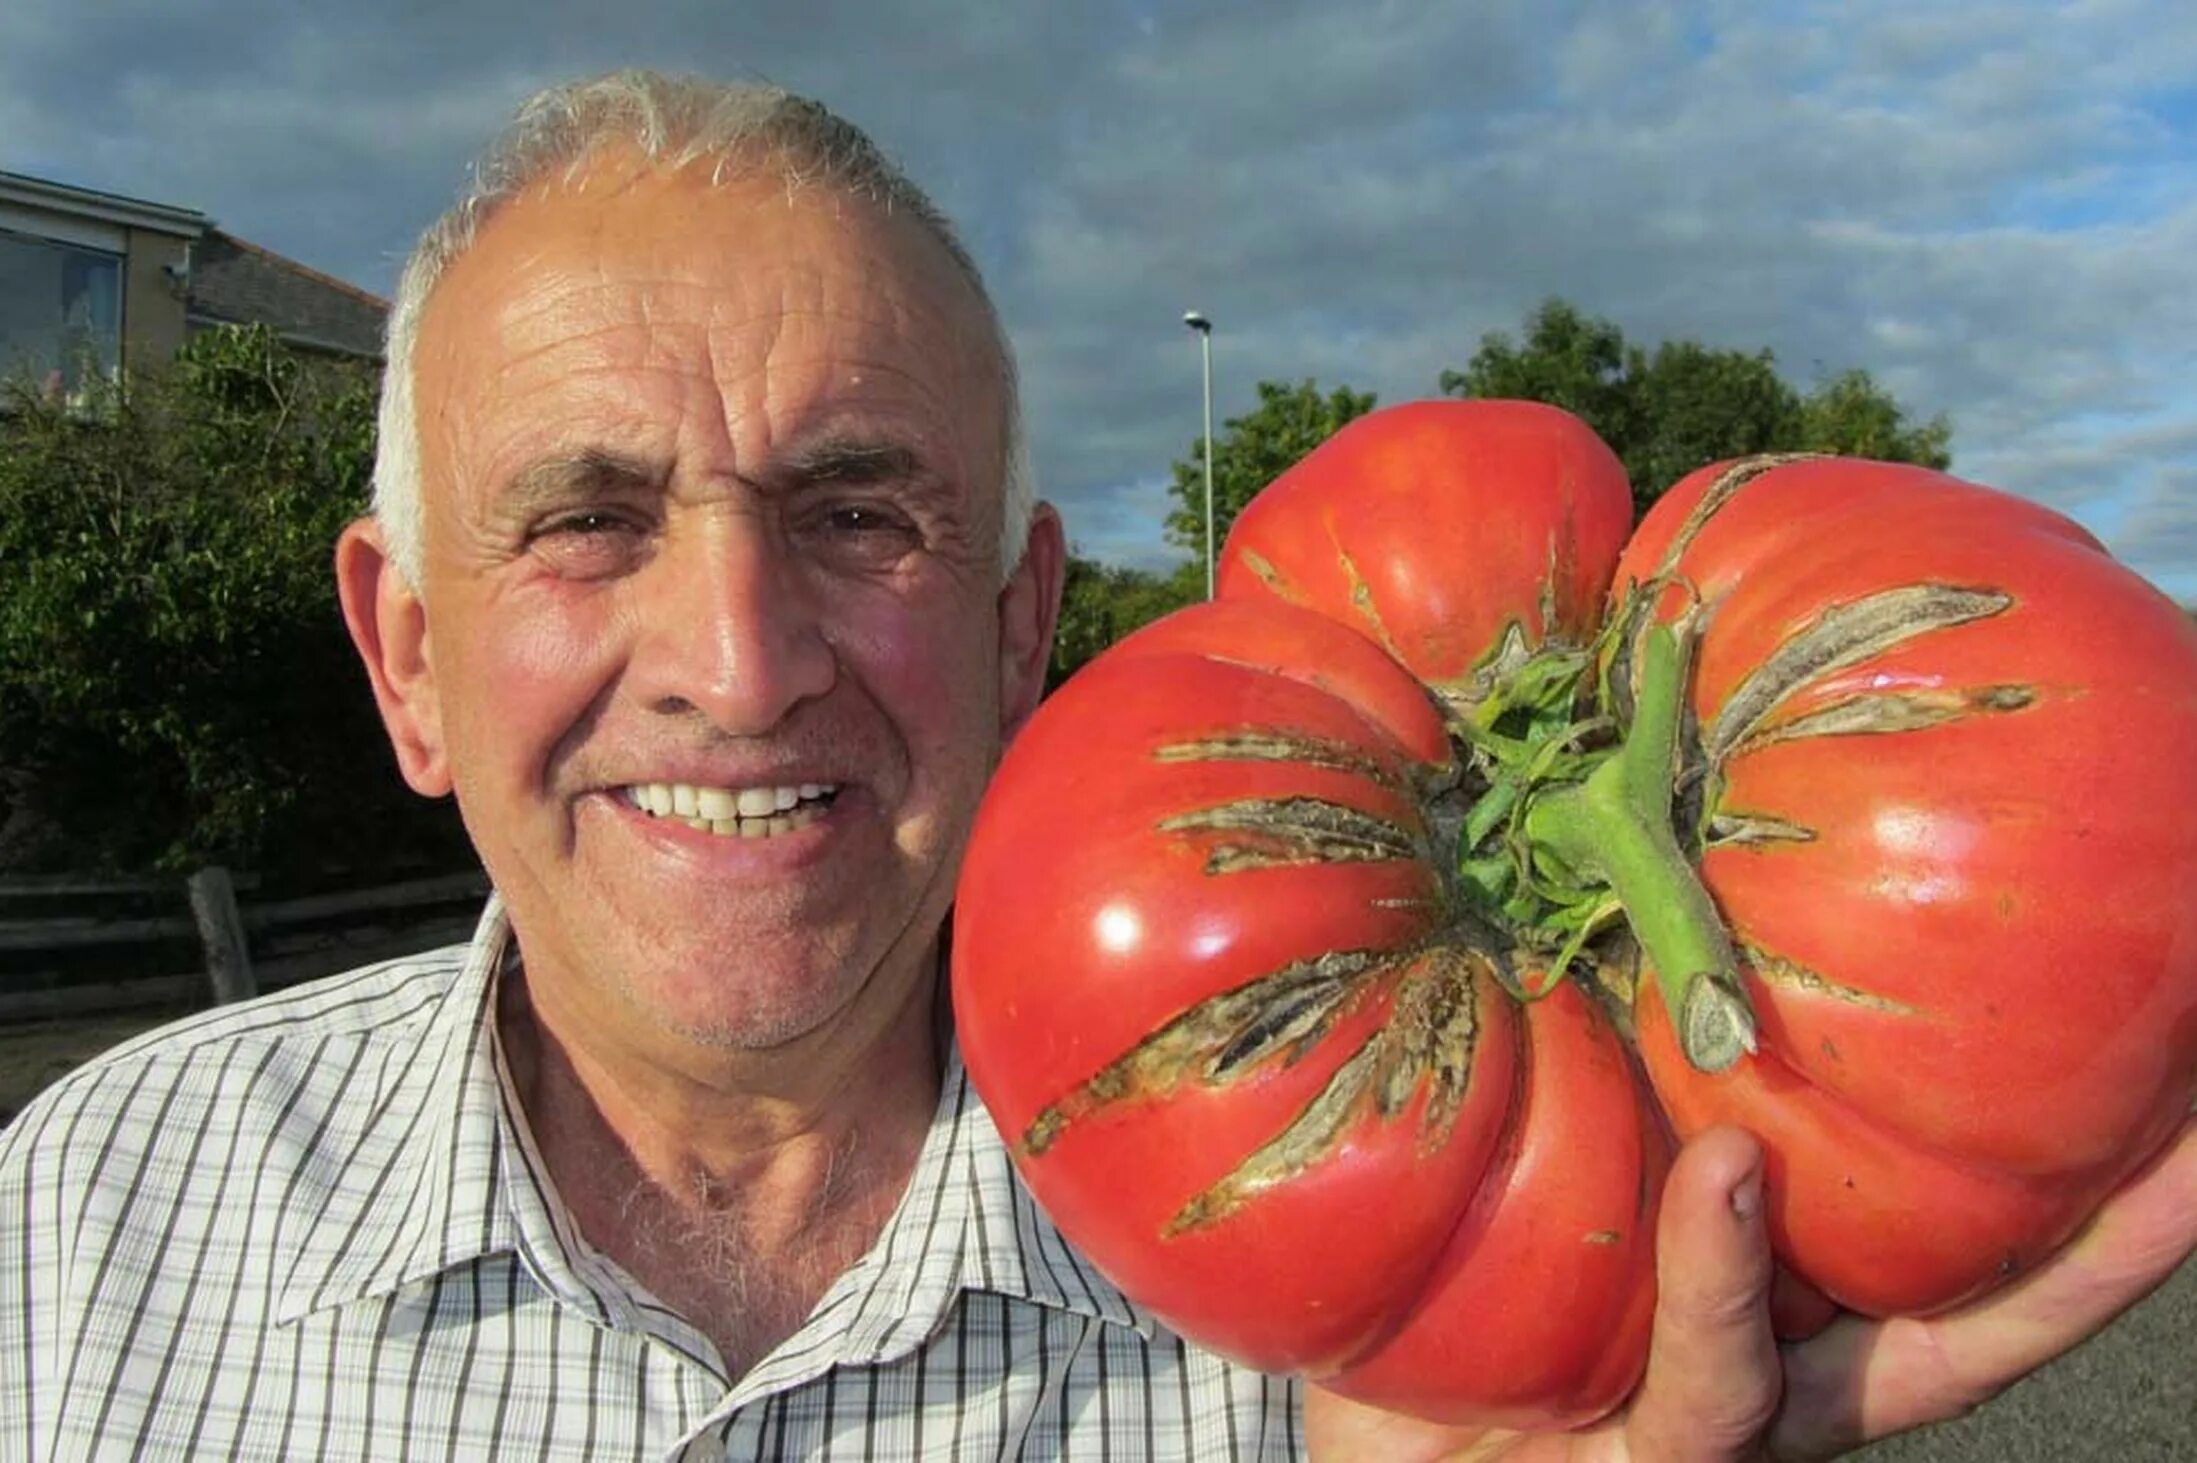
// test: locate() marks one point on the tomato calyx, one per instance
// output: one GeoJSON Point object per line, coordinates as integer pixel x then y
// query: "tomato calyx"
{"type": "Point", "coordinates": [1574, 831]}
{"type": "Point", "coordinates": [1612, 830]}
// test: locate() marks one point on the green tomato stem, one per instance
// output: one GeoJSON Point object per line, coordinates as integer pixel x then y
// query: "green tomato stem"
{"type": "Point", "coordinates": [1615, 827]}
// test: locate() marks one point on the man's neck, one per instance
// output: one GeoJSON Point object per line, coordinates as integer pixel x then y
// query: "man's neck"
{"type": "Point", "coordinates": [738, 1191]}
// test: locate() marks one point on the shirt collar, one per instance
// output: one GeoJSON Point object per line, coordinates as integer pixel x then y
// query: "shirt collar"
{"type": "Point", "coordinates": [455, 1189]}
{"type": "Point", "coordinates": [419, 1191]}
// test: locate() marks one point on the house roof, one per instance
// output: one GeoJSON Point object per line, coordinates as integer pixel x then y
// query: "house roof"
{"type": "Point", "coordinates": [235, 282]}
{"type": "Point", "coordinates": [230, 281]}
{"type": "Point", "coordinates": [113, 208]}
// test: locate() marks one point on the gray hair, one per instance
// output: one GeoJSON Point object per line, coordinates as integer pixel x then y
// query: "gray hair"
{"type": "Point", "coordinates": [673, 121]}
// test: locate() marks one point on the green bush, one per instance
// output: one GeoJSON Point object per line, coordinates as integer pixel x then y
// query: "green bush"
{"type": "Point", "coordinates": [175, 684]}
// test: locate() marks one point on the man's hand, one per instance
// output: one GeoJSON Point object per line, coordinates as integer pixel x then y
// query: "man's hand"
{"type": "Point", "coordinates": [1719, 1386]}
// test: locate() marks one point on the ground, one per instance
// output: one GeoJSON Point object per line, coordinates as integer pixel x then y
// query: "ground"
{"type": "Point", "coordinates": [34, 1053]}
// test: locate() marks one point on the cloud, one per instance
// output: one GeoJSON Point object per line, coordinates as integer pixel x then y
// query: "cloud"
{"type": "Point", "coordinates": [1984, 202]}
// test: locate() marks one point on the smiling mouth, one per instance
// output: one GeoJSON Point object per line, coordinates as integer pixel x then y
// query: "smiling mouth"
{"type": "Point", "coordinates": [729, 812]}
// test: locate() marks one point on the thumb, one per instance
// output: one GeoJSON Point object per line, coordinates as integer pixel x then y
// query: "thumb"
{"type": "Point", "coordinates": [1714, 1376]}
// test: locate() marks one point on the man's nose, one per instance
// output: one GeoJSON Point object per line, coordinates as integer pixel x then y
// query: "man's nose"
{"type": "Point", "coordinates": [733, 628]}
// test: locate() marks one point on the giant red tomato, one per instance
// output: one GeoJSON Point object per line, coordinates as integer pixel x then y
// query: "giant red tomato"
{"type": "Point", "coordinates": [1944, 777]}
{"type": "Point", "coordinates": [1301, 937]}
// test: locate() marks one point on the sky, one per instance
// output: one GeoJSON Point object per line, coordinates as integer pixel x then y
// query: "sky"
{"type": "Point", "coordinates": [1991, 205]}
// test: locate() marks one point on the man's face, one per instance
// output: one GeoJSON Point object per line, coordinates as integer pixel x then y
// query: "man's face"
{"type": "Point", "coordinates": [711, 524]}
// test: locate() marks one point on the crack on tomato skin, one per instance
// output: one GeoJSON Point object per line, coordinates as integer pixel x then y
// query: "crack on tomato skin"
{"type": "Point", "coordinates": [1460, 701]}
{"type": "Point", "coordinates": [1361, 600]}
{"type": "Point", "coordinates": [1316, 1132]}
{"type": "Point", "coordinates": [1778, 971]}
{"type": "Point", "coordinates": [1406, 902]}
{"type": "Point", "coordinates": [1557, 569]}
{"type": "Point", "coordinates": [1276, 1017]}
{"type": "Point", "coordinates": [1720, 493]}
{"type": "Point", "coordinates": [1880, 712]}
{"type": "Point", "coordinates": [1727, 829]}
{"type": "Point", "coordinates": [1287, 832]}
{"type": "Point", "coordinates": [1255, 745]}
{"type": "Point", "coordinates": [1427, 1042]}
{"type": "Point", "coordinates": [1436, 1027]}
{"type": "Point", "coordinates": [1264, 571]}
{"type": "Point", "coordinates": [1842, 636]}
{"type": "Point", "coordinates": [1636, 611]}
{"type": "Point", "coordinates": [1290, 1025]}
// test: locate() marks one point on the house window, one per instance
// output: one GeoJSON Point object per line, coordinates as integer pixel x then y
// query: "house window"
{"type": "Point", "coordinates": [60, 312]}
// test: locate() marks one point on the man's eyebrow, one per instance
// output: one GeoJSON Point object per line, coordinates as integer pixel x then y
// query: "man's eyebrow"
{"type": "Point", "coordinates": [555, 481]}
{"type": "Point", "coordinates": [855, 460]}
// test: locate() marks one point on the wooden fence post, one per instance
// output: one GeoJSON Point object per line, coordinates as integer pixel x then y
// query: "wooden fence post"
{"type": "Point", "coordinates": [221, 930]}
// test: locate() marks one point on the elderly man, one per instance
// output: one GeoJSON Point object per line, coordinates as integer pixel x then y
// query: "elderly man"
{"type": "Point", "coordinates": [705, 573]}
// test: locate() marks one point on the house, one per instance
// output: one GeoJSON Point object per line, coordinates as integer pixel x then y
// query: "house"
{"type": "Point", "coordinates": [91, 282]}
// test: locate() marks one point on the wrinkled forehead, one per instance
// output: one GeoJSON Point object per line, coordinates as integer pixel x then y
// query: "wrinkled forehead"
{"type": "Point", "coordinates": [618, 259]}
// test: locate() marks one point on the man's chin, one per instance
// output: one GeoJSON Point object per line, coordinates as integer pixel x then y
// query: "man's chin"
{"type": "Point", "coordinates": [758, 994]}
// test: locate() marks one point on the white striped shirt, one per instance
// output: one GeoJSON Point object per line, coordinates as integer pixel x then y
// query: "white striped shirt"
{"type": "Point", "coordinates": [315, 1226]}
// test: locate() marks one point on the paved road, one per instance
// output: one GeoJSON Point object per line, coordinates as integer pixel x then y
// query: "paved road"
{"type": "Point", "coordinates": [2129, 1396]}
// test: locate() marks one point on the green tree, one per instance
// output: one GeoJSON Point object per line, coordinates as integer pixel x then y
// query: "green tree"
{"type": "Point", "coordinates": [1668, 411]}
{"type": "Point", "coordinates": [175, 683]}
{"type": "Point", "coordinates": [1099, 604]}
{"type": "Point", "coordinates": [1851, 414]}
{"type": "Point", "coordinates": [1250, 452]}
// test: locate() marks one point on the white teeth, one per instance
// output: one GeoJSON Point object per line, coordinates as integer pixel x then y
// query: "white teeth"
{"type": "Point", "coordinates": [747, 812]}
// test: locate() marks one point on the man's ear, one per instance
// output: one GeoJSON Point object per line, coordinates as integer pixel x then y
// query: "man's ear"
{"type": "Point", "coordinates": [388, 624]}
{"type": "Point", "coordinates": [1029, 606]}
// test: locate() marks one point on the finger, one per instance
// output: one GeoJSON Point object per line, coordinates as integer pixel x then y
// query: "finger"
{"type": "Point", "coordinates": [1340, 1428]}
{"type": "Point", "coordinates": [1713, 1378]}
{"type": "Point", "coordinates": [1859, 1381]}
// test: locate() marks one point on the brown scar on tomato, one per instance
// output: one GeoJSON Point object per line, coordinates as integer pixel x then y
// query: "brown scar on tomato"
{"type": "Point", "coordinates": [1843, 636]}
{"type": "Point", "coordinates": [1559, 566]}
{"type": "Point", "coordinates": [1262, 569]}
{"type": "Point", "coordinates": [1512, 649]}
{"type": "Point", "coordinates": [1778, 971]}
{"type": "Point", "coordinates": [1272, 746]}
{"type": "Point", "coordinates": [1875, 713]}
{"type": "Point", "coordinates": [1637, 611]}
{"type": "Point", "coordinates": [1427, 1043]}
{"type": "Point", "coordinates": [1361, 600]}
{"type": "Point", "coordinates": [1718, 494]}
{"type": "Point", "coordinates": [1729, 829]}
{"type": "Point", "coordinates": [1275, 1019]}
{"type": "Point", "coordinates": [1263, 833]}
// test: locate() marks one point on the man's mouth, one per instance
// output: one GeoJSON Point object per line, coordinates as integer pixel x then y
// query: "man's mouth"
{"type": "Point", "coordinates": [734, 812]}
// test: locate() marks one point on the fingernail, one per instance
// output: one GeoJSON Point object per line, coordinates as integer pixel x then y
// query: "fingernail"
{"type": "Point", "coordinates": [1747, 1196]}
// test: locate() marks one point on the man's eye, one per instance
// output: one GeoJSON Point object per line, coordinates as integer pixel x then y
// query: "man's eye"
{"type": "Point", "coordinates": [863, 535]}
{"type": "Point", "coordinates": [588, 523]}
{"type": "Point", "coordinates": [590, 543]}
{"type": "Point", "coordinates": [856, 518]}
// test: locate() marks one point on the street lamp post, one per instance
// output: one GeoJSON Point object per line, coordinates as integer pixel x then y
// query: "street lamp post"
{"type": "Point", "coordinates": [1204, 328]}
